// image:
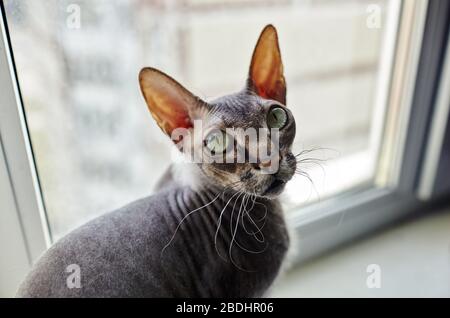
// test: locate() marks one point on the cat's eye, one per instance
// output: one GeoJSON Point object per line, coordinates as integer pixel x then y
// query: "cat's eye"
{"type": "Point", "coordinates": [217, 141]}
{"type": "Point", "coordinates": [276, 118]}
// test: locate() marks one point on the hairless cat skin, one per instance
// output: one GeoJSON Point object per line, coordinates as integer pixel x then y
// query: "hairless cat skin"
{"type": "Point", "coordinates": [212, 229]}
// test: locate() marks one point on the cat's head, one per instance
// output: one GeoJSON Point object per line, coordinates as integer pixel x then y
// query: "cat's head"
{"type": "Point", "coordinates": [219, 135]}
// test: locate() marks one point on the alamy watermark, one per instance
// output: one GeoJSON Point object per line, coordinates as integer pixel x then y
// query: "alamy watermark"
{"type": "Point", "coordinates": [374, 278]}
{"type": "Point", "coordinates": [73, 280]}
{"type": "Point", "coordinates": [73, 20]}
{"type": "Point", "coordinates": [259, 146]}
{"type": "Point", "coordinates": [373, 20]}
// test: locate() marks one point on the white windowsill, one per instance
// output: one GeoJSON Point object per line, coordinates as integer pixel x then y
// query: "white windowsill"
{"type": "Point", "coordinates": [414, 258]}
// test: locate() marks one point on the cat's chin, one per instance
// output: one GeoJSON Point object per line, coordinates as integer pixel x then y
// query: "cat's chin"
{"type": "Point", "coordinates": [274, 189]}
{"type": "Point", "coordinates": [271, 196]}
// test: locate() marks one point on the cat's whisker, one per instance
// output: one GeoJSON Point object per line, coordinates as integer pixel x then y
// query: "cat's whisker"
{"type": "Point", "coordinates": [219, 223]}
{"type": "Point", "coordinates": [232, 211]}
{"type": "Point", "coordinates": [308, 177]}
{"type": "Point", "coordinates": [184, 218]}
{"type": "Point", "coordinates": [231, 225]}
{"type": "Point", "coordinates": [313, 161]}
{"type": "Point", "coordinates": [249, 216]}
{"type": "Point", "coordinates": [245, 211]}
{"type": "Point", "coordinates": [265, 211]}
{"type": "Point", "coordinates": [307, 151]}
{"type": "Point", "coordinates": [230, 249]}
{"type": "Point", "coordinates": [195, 210]}
{"type": "Point", "coordinates": [259, 231]}
{"type": "Point", "coordinates": [310, 159]}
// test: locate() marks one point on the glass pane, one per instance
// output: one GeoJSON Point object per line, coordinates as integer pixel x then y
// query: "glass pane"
{"type": "Point", "coordinates": [95, 144]}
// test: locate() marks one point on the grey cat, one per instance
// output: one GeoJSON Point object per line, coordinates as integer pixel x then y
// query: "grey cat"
{"type": "Point", "coordinates": [212, 229]}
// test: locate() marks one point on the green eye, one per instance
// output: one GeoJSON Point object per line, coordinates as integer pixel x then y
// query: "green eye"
{"type": "Point", "coordinates": [277, 118]}
{"type": "Point", "coordinates": [217, 141]}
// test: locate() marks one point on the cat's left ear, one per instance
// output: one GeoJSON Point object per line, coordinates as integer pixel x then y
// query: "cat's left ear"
{"type": "Point", "coordinates": [171, 105]}
{"type": "Point", "coordinates": [266, 76]}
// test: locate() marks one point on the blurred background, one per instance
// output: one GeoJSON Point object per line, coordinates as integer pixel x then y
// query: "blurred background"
{"type": "Point", "coordinates": [90, 125]}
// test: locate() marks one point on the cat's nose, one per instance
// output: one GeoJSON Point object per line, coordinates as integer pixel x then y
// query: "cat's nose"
{"type": "Point", "coordinates": [266, 163]}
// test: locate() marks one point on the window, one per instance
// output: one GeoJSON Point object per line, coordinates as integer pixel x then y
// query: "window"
{"type": "Point", "coordinates": [359, 83]}
{"type": "Point", "coordinates": [97, 148]}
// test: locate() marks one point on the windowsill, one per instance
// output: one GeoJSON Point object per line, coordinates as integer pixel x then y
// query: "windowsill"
{"type": "Point", "coordinates": [329, 178]}
{"type": "Point", "coordinates": [414, 258]}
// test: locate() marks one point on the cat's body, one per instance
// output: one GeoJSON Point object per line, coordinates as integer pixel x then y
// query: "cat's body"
{"type": "Point", "coordinates": [119, 254]}
{"type": "Point", "coordinates": [216, 231]}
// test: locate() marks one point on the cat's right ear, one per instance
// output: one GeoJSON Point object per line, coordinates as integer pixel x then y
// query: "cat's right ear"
{"type": "Point", "coordinates": [171, 105]}
{"type": "Point", "coordinates": [266, 76]}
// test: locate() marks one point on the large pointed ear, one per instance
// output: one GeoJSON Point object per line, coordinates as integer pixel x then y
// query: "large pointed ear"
{"type": "Point", "coordinates": [171, 105]}
{"type": "Point", "coordinates": [266, 69]}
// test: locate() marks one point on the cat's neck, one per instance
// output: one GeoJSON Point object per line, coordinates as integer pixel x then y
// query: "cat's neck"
{"type": "Point", "coordinates": [187, 174]}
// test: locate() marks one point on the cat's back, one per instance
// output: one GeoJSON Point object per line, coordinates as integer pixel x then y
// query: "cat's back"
{"type": "Point", "coordinates": [111, 255]}
{"type": "Point", "coordinates": [123, 254]}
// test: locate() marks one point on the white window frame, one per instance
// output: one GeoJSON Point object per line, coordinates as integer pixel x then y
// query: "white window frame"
{"type": "Point", "coordinates": [21, 200]}
{"type": "Point", "coordinates": [326, 224]}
